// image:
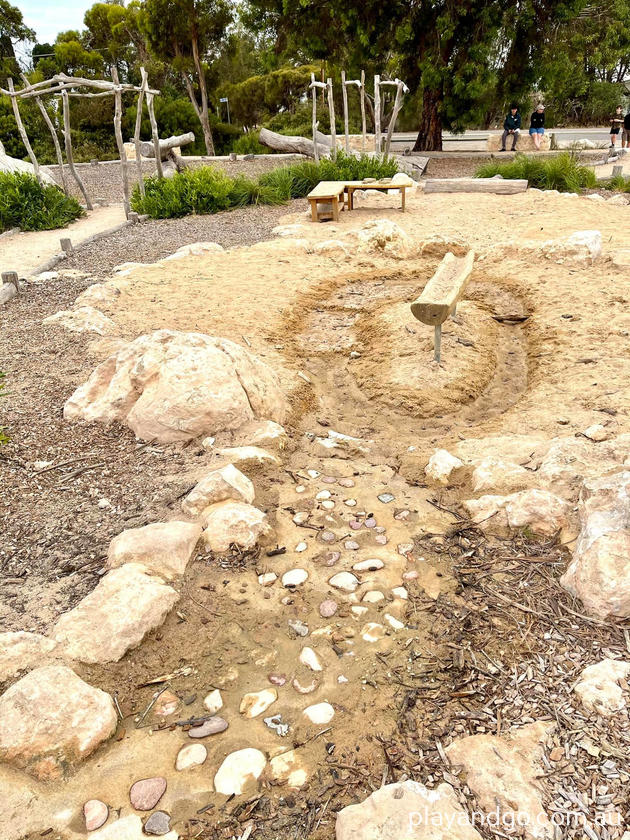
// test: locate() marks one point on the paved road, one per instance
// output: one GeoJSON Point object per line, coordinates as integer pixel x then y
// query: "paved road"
{"type": "Point", "coordinates": [474, 141]}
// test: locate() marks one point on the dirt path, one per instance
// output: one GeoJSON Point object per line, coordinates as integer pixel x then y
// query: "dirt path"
{"type": "Point", "coordinates": [24, 252]}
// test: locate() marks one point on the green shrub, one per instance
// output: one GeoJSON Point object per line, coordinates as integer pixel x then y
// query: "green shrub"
{"type": "Point", "coordinates": [210, 190]}
{"type": "Point", "coordinates": [248, 144]}
{"type": "Point", "coordinates": [620, 183]}
{"type": "Point", "coordinates": [562, 172]}
{"type": "Point", "coordinates": [26, 204]}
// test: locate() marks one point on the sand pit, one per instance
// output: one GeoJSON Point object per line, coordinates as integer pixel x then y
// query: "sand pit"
{"type": "Point", "coordinates": [374, 599]}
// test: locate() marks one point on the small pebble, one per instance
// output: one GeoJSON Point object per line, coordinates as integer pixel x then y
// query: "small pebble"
{"type": "Point", "coordinates": [400, 592]}
{"type": "Point", "coordinates": [320, 713]}
{"type": "Point", "coordinates": [411, 575]}
{"type": "Point", "coordinates": [267, 579]}
{"type": "Point", "coordinates": [381, 539]}
{"type": "Point", "coordinates": [323, 494]}
{"type": "Point", "coordinates": [344, 580]}
{"type": "Point", "coordinates": [294, 577]}
{"type": "Point", "coordinates": [328, 504]}
{"type": "Point", "coordinates": [309, 658]}
{"type": "Point", "coordinates": [372, 632]}
{"type": "Point", "coordinates": [341, 679]}
{"type": "Point", "coordinates": [386, 498]}
{"type": "Point", "coordinates": [212, 726]}
{"type": "Point", "coordinates": [355, 524]}
{"type": "Point", "coordinates": [301, 517]}
{"type": "Point", "coordinates": [307, 688]}
{"type": "Point", "coordinates": [402, 515]}
{"type": "Point", "coordinates": [346, 482]}
{"type": "Point", "coordinates": [371, 565]}
{"type": "Point", "coordinates": [350, 502]}
{"type": "Point", "coordinates": [312, 473]}
{"type": "Point", "coordinates": [95, 813]}
{"type": "Point", "coordinates": [379, 529]}
{"type": "Point", "coordinates": [300, 488]}
{"type": "Point", "coordinates": [331, 558]}
{"type": "Point", "coordinates": [393, 622]}
{"type": "Point", "coordinates": [145, 794]}
{"type": "Point", "coordinates": [327, 537]}
{"type": "Point", "coordinates": [159, 823]}
{"type": "Point", "coordinates": [298, 626]}
{"type": "Point", "coordinates": [329, 479]}
{"type": "Point", "coordinates": [405, 548]}
{"type": "Point", "coordinates": [191, 755]}
{"type": "Point", "coordinates": [328, 608]}
{"type": "Point", "coordinates": [370, 522]}
{"type": "Point", "coordinates": [277, 679]}
{"type": "Point", "coordinates": [301, 546]}
{"type": "Point", "coordinates": [104, 504]}
{"type": "Point", "coordinates": [351, 545]}
{"type": "Point", "coordinates": [213, 702]}
{"type": "Point", "coordinates": [373, 597]}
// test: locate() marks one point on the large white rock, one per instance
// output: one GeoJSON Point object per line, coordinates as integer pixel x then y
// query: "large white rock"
{"type": "Point", "coordinates": [503, 772]}
{"type": "Point", "coordinates": [441, 466]}
{"type": "Point", "coordinates": [516, 449]}
{"type": "Point", "coordinates": [51, 719]}
{"type": "Point", "coordinates": [599, 573]}
{"type": "Point", "coordinates": [406, 811]}
{"type": "Point", "coordinates": [164, 548]}
{"type": "Point", "coordinates": [539, 511]}
{"type": "Point", "coordinates": [581, 246]}
{"type": "Point", "coordinates": [126, 605]}
{"type": "Point", "coordinates": [385, 237]}
{"type": "Point", "coordinates": [83, 319]}
{"type": "Point", "coordinates": [126, 828]}
{"type": "Point", "coordinates": [256, 702]}
{"type": "Point", "coordinates": [20, 651]}
{"type": "Point", "coordinates": [98, 295]}
{"type": "Point", "coordinates": [197, 249]}
{"type": "Point", "coordinates": [234, 522]}
{"type": "Point", "coordinates": [218, 486]}
{"type": "Point", "coordinates": [263, 433]}
{"type": "Point", "coordinates": [174, 386]}
{"type": "Point", "coordinates": [239, 769]}
{"type": "Point", "coordinates": [498, 476]}
{"type": "Point", "coordinates": [599, 686]}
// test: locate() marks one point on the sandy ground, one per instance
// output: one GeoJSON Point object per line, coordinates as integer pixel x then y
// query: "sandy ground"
{"type": "Point", "coordinates": [24, 252]}
{"type": "Point", "coordinates": [338, 330]}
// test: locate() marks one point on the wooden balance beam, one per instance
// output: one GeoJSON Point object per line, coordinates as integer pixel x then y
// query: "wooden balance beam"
{"type": "Point", "coordinates": [500, 186]}
{"type": "Point", "coordinates": [439, 297]}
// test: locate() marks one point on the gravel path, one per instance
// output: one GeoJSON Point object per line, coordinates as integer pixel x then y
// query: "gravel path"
{"type": "Point", "coordinates": [155, 239]}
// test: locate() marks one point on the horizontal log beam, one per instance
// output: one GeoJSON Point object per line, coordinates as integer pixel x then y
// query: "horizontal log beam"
{"type": "Point", "coordinates": [439, 297]}
{"type": "Point", "coordinates": [498, 186]}
{"type": "Point", "coordinates": [147, 148]}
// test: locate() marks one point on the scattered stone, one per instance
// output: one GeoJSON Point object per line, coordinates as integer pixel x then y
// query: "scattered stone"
{"type": "Point", "coordinates": [213, 702]}
{"type": "Point", "coordinates": [301, 517]}
{"type": "Point", "coordinates": [503, 772]}
{"type": "Point", "coordinates": [298, 627]}
{"type": "Point", "coordinates": [380, 539]}
{"type": "Point", "coordinates": [371, 565]}
{"type": "Point", "coordinates": [309, 658]}
{"type": "Point", "coordinates": [145, 794]}
{"type": "Point", "coordinates": [164, 548]}
{"type": "Point", "coordinates": [327, 536]}
{"type": "Point", "coordinates": [359, 611]}
{"type": "Point", "coordinates": [386, 237]}
{"type": "Point", "coordinates": [599, 686]}
{"type": "Point", "coordinates": [174, 386]}
{"type": "Point", "coordinates": [267, 579]}
{"type": "Point", "coordinates": [95, 813]}
{"type": "Point", "coordinates": [596, 432]}
{"type": "Point", "coordinates": [212, 726]}
{"type": "Point", "coordinates": [411, 575]}
{"type": "Point", "coordinates": [192, 755]}
{"type": "Point", "coordinates": [350, 502]}
{"type": "Point", "coordinates": [249, 457]}
{"type": "Point", "coordinates": [373, 597]}
{"type": "Point", "coordinates": [327, 505]}
{"type": "Point", "coordinates": [320, 713]}
{"type": "Point", "coordinates": [166, 704]}
{"type": "Point", "coordinates": [238, 770]}
{"type": "Point", "coordinates": [127, 828]}
{"type": "Point", "coordinates": [355, 524]}
{"type": "Point", "coordinates": [394, 623]}
{"type": "Point", "coordinates": [20, 651]}
{"type": "Point", "coordinates": [498, 476]}
{"type": "Point", "coordinates": [370, 522]}
{"type": "Point", "coordinates": [83, 319]}
{"type": "Point", "coordinates": [116, 616]}
{"type": "Point", "coordinates": [300, 547]}
{"type": "Point", "coordinates": [406, 810]}
{"type": "Point", "coordinates": [599, 573]}
{"type": "Point", "coordinates": [405, 548]}
{"type": "Point", "coordinates": [323, 494]}
{"type": "Point", "coordinates": [234, 522]}
{"type": "Point", "coordinates": [159, 823]}
{"type": "Point", "coordinates": [345, 581]}
{"type": "Point", "coordinates": [277, 679]}
{"type": "Point", "coordinates": [264, 433]}
{"type": "Point", "coordinates": [346, 482]}
{"type": "Point", "coordinates": [328, 608]}
{"type": "Point", "coordinates": [351, 545]}
{"type": "Point", "coordinates": [331, 558]}
{"type": "Point", "coordinates": [256, 702]}
{"type": "Point", "coordinates": [286, 767]}
{"type": "Point", "coordinates": [307, 688]}
{"type": "Point", "coordinates": [218, 486]}
{"type": "Point", "coordinates": [400, 592]}
{"type": "Point", "coordinates": [386, 498]}
{"type": "Point", "coordinates": [294, 577]}
{"type": "Point", "coordinates": [372, 632]}
{"type": "Point", "coordinates": [51, 719]}
{"type": "Point", "coordinates": [441, 466]}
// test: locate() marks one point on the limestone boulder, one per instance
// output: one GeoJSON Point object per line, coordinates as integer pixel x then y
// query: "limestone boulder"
{"type": "Point", "coordinates": [514, 449]}
{"type": "Point", "coordinates": [498, 476]}
{"type": "Point", "coordinates": [581, 246]}
{"type": "Point", "coordinates": [539, 511]}
{"type": "Point", "coordinates": [83, 319]}
{"type": "Point", "coordinates": [600, 686]}
{"type": "Point", "coordinates": [99, 295]}
{"type": "Point", "coordinates": [249, 457]}
{"type": "Point", "coordinates": [51, 720]}
{"type": "Point", "coordinates": [566, 461]}
{"type": "Point", "coordinates": [174, 386]}
{"type": "Point", "coordinates": [599, 573]}
{"type": "Point", "coordinates": [263, 433]}
{"type": "Point", "coordinates": [20, 651]}
{"type": "Point", "coordinates": [196, 249]}
{"type": "Point", "coordinates": [234, 522]}
{"type": "Point", "coordinates": [116, 616]}
{"type": "Point", "coordinates": [218, 486]}
{"type": "Point", "coordinates": [385, 237]}
{"type": "Point", "coordinates": [163, 548]}
{"type": "Point", "coordinates": [406, 810]}
{"type": "Point", "coordinates": [503, 772]}
{"type": "Point", "coordinates": [442, 467]}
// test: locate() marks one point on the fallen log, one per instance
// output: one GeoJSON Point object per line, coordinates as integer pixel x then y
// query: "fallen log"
{"type": "Point", "coordinates": [147, 148]}
{"type": "Point", "coordinates": [500, 186]}
{"type": "Point", "coordinates": [292, 145]}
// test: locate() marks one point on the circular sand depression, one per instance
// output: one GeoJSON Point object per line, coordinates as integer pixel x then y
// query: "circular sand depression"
{"type": "Point", "coordinates": [484, 362]}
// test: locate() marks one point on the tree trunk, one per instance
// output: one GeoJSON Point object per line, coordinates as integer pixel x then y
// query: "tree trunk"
{"type": "Point", "coordinates": [203, 95]}
{"type": "Point", "coordinates": [429, 137]}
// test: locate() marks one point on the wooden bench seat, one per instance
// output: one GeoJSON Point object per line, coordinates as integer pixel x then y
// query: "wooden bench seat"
{"type": "Point", "coordinates": [334, 193]}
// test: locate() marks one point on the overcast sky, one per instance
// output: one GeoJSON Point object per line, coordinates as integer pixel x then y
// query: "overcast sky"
{"type": "Point", "coordinates": [48, 17]}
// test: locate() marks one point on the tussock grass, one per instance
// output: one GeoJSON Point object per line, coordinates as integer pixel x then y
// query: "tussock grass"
{"type": "Point", "coordinates": [26, 204]}
{"type": "Point", "coordinates": [562, 172]}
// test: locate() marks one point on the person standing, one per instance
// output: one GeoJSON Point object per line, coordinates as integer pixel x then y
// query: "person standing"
{"type": "Point", "coordinates": [512, 125]}
{"type": "Point", "coordinates": [625, 134]}
{"type": "Point", "coordinates": [537, 125]}
{"type": "Point", "coordinates": [616, 121]}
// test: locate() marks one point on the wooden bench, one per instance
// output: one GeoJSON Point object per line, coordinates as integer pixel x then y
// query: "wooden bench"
{"type": "Point", "coordinates": [439, 297]}
{"type": "Point", "coordinates": [352, 187]}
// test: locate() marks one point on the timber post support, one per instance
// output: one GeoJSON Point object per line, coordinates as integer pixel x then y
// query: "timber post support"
{"type": "Point", "coordinates": [66, 246]}
{"type": "Point", "coordinates": [11, 277]}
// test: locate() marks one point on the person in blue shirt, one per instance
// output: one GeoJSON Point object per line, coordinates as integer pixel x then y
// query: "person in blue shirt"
{"type": "Point", "coordinates": [512, 125]}
{"type": "Point", "coordinates": [537, 125]}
